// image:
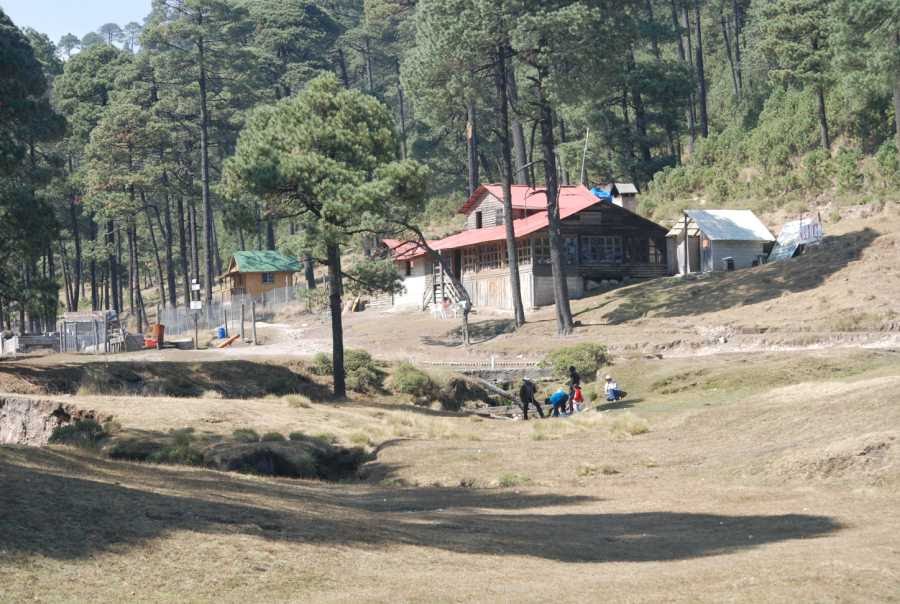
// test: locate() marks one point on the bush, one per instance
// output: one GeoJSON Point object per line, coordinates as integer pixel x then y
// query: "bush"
{"type": "Point", "coordinates": [272, 437]}
{"type": "Point", "coordinates": [245, 435]}
{"type": "Point", "coordinates": [362, 372]}
{"type": "Point", "coordinates": [587, 358]}
{"type": "Point", "coordinates": [322, 364]}
{"type": "Point", "coordinates": [409, 379]}
{"type": "Point", "coordinates": [85, 433]}
{"type": "Point", "coordinates": [888, 161]}
{"type": "Point", "coordinates": [847, 164]}
{"type": "Point", "coordinates": [512, 480]}
{"type": "Point", "coordinates": [817, 170]}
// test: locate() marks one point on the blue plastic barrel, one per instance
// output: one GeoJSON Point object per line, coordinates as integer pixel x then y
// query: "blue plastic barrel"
{"type": "Point", "coordinates": [220, 332]}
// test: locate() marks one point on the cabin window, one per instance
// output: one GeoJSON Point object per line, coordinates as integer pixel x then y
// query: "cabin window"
{"type": "Point", "coordinates": [498, 216]}
{"type": "Point", "coordinates": [570, 244]}
{"type": "Point", "coordinates": [602, 250]}
{"type": "Point", "coordinates": [479, 221]}
{"type": "Point", "coordinates": [490, 257]}
{"type": "Point", "coordinates": [541, 250]}
{"type": "Point", "coordinates": [470, 259]}
{"type": "Point", "coordinates": [408, 268]}
{"type": "Point", "coordinates": [268, 277]}
{"type": "Point", "coordinates": [656, 255]}
{"type": "Point", "coordinates": [524, 252]}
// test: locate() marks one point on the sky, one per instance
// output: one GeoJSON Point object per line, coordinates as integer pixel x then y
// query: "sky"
{"type": "Point", "coordinates": [59, 17]}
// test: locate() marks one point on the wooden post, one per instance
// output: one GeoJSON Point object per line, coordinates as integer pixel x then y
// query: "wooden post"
{"type": "Point", "coordinates": [242, 321]}
{"type": "Point", "coordinates": [96, 336]}
{"type": "Point", "coordinates": [253, 321]}
{"type": "Point", "coordinates": [196, 333]}
{"type": "Point", "coordinates": [687, 253]}
{"type": "Point", "coordinates": [225, 320]}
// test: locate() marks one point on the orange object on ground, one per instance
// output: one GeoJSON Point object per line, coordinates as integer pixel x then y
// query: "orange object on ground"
{"type": "Point", "coordinates": [158, 332]}
{"type": "Point", "coordinates": [228, 342]}
{"type": "Point", "coordinates": [150, 342]}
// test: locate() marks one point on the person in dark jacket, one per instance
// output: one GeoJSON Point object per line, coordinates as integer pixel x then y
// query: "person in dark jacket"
{"type": "Point", "coordinates": [574, 382]}
{"type": "Point", "coordinates": [526, 394]}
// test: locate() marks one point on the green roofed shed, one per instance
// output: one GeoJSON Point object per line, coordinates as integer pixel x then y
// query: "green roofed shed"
{"type": "Point", "coordinates": [256, 272]}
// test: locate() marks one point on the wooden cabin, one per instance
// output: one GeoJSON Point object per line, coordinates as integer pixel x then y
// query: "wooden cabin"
{"type": "Point", "coordinates": [603, 241]}
{"type": "Point", "coordinates": [717, 240]}
{"type": "Point", "coordinates": [253, 273]}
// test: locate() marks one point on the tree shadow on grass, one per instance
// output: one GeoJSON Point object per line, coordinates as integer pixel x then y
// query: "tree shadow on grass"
{"type": "Point", "coordinates": [479, 333]}
{"type": "Point", "coordinates": [232, 379]}
{"type": "Point", "coordinates": [695, 295]}
{"type": "Point", "coordinates": [89, 511]}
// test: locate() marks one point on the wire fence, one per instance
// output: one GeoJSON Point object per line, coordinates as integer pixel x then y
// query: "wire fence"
{"type": "Point", "coordinates": [235, 313]}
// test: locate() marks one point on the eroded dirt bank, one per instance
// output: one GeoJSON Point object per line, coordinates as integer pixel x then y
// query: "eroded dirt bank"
{"type": "Point", "coordinates": [26, 421]}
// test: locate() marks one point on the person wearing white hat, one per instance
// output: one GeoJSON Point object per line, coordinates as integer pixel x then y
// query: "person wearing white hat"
{"type": "Point", "coordinates": [611, 388]}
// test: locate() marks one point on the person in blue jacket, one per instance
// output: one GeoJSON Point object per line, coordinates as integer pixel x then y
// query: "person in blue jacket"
{"type": "Point", "coordinates": [558, 401]}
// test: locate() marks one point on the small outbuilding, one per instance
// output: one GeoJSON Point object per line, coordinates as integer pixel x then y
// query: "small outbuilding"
{"type": "Point", "coordinates": [717, 240]}
{"type": "Point", "coordinates": [254, 273]}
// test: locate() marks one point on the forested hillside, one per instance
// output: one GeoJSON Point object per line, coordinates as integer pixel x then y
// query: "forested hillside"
{"type": "Point", "coordinates": [114, 143]}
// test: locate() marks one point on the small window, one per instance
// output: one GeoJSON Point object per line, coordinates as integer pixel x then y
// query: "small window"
{"type": "Point", "coordinates": [408, 268]}
{"type": "Point", "coordinates": [479, 221]}
{"type": "Point", "coordinates": [268, 277]}
{"type": "Point", "coordinates": [498, 216]}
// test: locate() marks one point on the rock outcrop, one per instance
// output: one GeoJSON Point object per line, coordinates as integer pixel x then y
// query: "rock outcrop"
{"type": "Point", "coordinates": [26, 421]}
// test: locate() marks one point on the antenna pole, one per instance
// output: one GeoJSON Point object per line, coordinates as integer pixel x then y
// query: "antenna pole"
{"type": "Point", "coordinates": [584, 153]}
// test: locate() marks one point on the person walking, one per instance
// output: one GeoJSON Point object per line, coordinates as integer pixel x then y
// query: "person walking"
{"type": "Point", "coordinates": [574, 384]}
{"type": "Point", "coordinates": [526, 395]}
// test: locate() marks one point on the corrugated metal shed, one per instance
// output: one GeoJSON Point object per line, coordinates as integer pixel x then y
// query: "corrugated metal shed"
{"type": "Point", "coordinates": [725, 225]}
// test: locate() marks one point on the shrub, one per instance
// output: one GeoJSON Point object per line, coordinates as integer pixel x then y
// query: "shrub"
{"type": "Point", "coordinates": [816, 170]}
{"type": "Point", "coordinates": [847, 164]}
{"type": "Point", "coordinates": [360, 438]}
{"type": "Point", "coordinates": [272, 437]}
{"type": "Point", "coordinates": [321, 364]}
{"type": "Point", "coordinates": [298, 401]}
{"type": "Point", "coordinates": [85, 433]}
{"type": "Point", "coordinates": [587, 358]}
{"type": "Point", "coordinates": [245, 435]}
{"type": "Point", "coordinates": [888, 161]}
{"type": "Point", "coordinates": [408, 379]}
{"type": "Point", "coordinates": [629, 424]}
{"type": "Point", "coordinates": [365, 379]}
{"type": "Point", "coordinates": [512, 480]}
{"type": "Point", "coordinates": [362, 371]}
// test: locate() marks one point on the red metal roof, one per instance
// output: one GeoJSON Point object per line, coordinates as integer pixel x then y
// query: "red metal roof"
{"type": "Point", "coordinates": [572, 200]}
{"type": "Point", "coordinates": [523, 196]}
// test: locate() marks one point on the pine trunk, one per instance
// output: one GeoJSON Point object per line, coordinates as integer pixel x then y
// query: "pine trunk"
{"type": "Point", "coordinates": [270, 234]}
{"type": "Point", "coordinates": [897, 94]}
{"type": "Point", "coordinates": [111, 266]}
{"type": "Point", "coordinates": [472, 146]}
{"type": "Point", "coordinates": [701, 76]}
{"type": "Point", "coordinates": [522, 175]}
{"type": "Point", "coordinates": [309, 270]}
{"type": "Point", "coordinates": [170, 262]}
{"type": "Point", "coordinates": [76, 262]}
{"type": "Point", "coordinates": [183, 248]}
{"type": "Point", "coordinates": [337, 327]}
{"type": "Point", "coordinates": [204, 173]}
{"type": "Point", "coordinates": [564, 323]}
{"type": "Point", "coordinates": [160, 275]}
{"type": "Point", "coordinates": [95, 298]}
{"type": "Point", "coordinates": [825, 137]}
{"type": "Point", "coordinates": [500, 75]}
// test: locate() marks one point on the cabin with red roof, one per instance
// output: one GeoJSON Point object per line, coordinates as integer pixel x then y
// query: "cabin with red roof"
{"type": "Point", "coordinates": [603, 241]}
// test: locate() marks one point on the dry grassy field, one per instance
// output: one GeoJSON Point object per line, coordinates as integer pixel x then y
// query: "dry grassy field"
{"type": "Point", "coordinates": [756, 459]}
{"type": "Point", "coordinates": [755, 478]}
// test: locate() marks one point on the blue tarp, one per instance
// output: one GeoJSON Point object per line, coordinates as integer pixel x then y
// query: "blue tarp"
{"type": "Point", "coordinates": [601, 194]}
